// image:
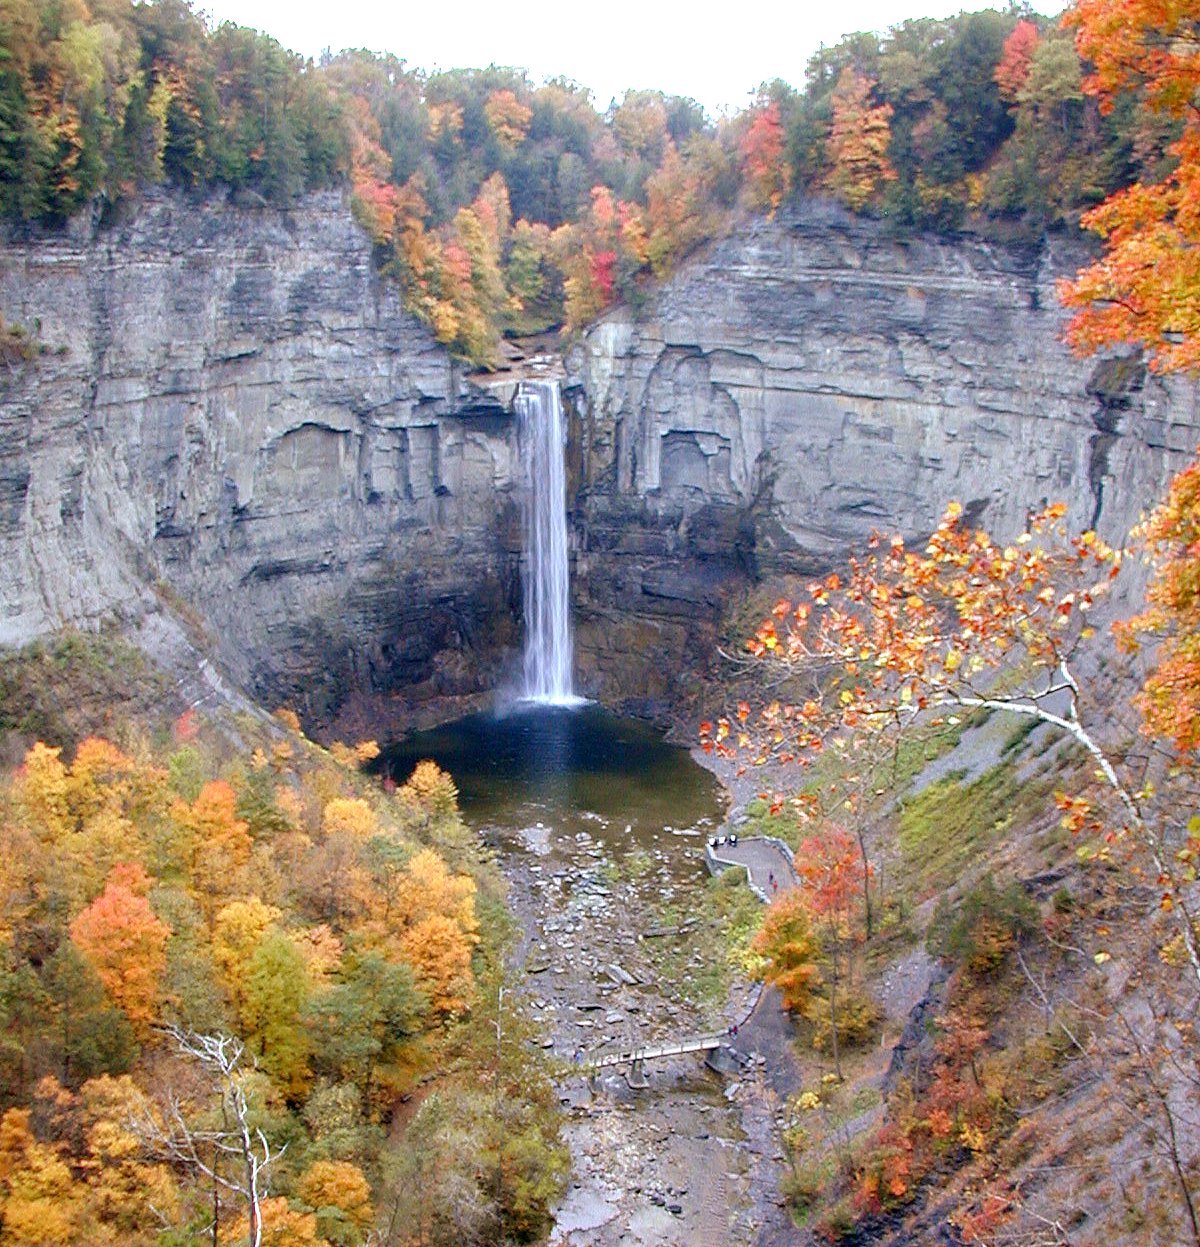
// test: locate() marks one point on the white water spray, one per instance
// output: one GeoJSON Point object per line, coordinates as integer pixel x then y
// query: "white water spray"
{"type": "Point", "coordinates": [546, 575]}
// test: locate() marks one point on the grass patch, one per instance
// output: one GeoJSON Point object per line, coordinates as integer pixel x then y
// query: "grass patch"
{"type": "Point", "coordinates": [16, 344]}
{"type": "Point", "coordinates": [894, 771]}
{"type": "Point", "coordinates": [1015, 741]}
{"type": "Point", "coordinates": [702, 961]}
{"type": "Point", "coordinates": [761, 822]}
{"type": "Point", "coordinates": [951, 823]}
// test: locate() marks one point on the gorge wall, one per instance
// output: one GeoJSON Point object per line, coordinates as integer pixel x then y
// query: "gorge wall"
{"type": "Point", "coordinates": [230, 408]}
{"type": "Point", "coordinates": [810, 379]}
{"type": "Point", "coordinates": [231, 414]}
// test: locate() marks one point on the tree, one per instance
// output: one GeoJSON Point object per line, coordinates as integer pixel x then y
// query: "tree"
{"type": "Point", "coordinates": [968, 622]}
{"type": "Point", "coordinates": [439, 950]}
{"type": "Point", "coordinates": [428, 888]}
{"type": "Point", "coordinates": [40, 1202]}
{"type": "Point", "coordinates": [235, 1156]}
{"type": "Point", "coordinates": [42, 788]}
{"type": "Point", "coordinates": [764, 167]}
{"type": "Point", "coordinates": [1171, 699]}
{"type": "Point", "coordinates": [216, 845]}
{"type": "Point", "coordinates": [508, 117]}
{"type": "Point", "coordinates": [910, 634]}
{"type": "Point", "coordinates": [791, 950]}
{"type": "Point", "coordinates": [363, 1021]}
{"type": "Point", "coordinates": [831, 880]}
{"type": "Point", "coordinates": [1013, 69]}
{"type": "Point", "coordinates": [858, 141]}
{"type": "Point", "coordinates": [238, 928]}
{"type": "Point", "coordinates": [131, 1198]}
{"type": "Point", "coordinates": [352, 816]}
{"type": "Point", "coordinates": [680, 207]}
{"type": "Point", "coordinates": [640, 124]}
{"type": "Point", "coordinates": [275, 992]}
{"type": "Point", "coordinates": [338, 1193]}
{"type": "Point", "coordinates": [1145, 289]}
{"type": "Point", "coordinates": [126, 944]}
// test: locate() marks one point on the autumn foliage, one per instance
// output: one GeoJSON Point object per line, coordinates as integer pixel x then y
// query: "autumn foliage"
{"type": "Point", "coordinates": [1171, 699]}
{"type": "Point", "coordinates": [1144, 289]}
{"type": "Point", "coordinates": [787, 942]}
{"type": "Point", "coordinates": [125, 943]}
{"type": "Point", "coordinates": [858, 141]}
{"type": "Point", "coordinates": [1012, 72]}
{"type": "Point", "coordinates": [763, 165]}
{"type": "Point", "coordinates": [284, 900]}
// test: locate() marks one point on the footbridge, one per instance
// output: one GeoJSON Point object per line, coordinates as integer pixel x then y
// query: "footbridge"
{"type": "Point", "coordinates": [636, 1058]}
{"type": "Point", "coordinates": [656, 1052]}
{"type": "Point", "coordinates": [708, 1043]}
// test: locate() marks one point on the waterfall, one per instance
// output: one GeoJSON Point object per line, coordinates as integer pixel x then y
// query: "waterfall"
{"type": "Point", "coordinates": [546, 570]}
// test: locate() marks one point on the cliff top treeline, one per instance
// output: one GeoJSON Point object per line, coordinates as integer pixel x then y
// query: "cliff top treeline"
{"type": "Point", "coordinates": [505, 206]}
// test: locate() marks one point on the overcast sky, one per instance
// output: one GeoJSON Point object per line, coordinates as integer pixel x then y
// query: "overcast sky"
{"type": "Point", "coordinates": [717, 54]}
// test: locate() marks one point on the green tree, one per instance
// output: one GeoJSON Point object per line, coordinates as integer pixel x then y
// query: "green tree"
{"type": "Point", "coordinates": [365, 1020]}
{"type": "Point", "coordinates": [275, 991]}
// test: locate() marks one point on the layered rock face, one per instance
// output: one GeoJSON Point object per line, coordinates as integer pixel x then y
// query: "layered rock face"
{"type": "Point", "coordinates": [231, 409]}
{"type": "Point", "coordinates": [231, 412]}
{"type": "Point", "coordinates": [811, 379]}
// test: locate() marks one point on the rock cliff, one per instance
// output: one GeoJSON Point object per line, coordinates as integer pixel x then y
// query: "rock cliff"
{"type": "Point", "coordinates": [807, 380]}
{"type": "Point", "coordinates": [231, 409]}
{"type": "Point", "coordinates": [231, 413]}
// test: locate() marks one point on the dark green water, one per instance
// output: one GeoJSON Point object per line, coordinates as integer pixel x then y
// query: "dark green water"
{"type": "Point", "coordinates": [567, 769]}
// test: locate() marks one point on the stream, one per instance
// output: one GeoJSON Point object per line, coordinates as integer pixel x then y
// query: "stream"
{"type": "Point", "coordinates": [600, 826]}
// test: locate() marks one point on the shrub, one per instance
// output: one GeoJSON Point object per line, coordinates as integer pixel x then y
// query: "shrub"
{"type": "Point", "coordinates": [984, 928]}
{"type": "Point", "coordinates": [858, 1018]}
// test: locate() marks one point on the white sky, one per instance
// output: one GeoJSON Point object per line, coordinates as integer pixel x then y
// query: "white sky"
{"type": "Point", "coordinates": [715, 53]}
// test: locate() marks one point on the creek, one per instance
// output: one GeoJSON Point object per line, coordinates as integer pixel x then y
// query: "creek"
{"type": "Point", "coordinates": [599, 825]}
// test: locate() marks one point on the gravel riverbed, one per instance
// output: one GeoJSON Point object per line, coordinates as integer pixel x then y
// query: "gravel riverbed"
{"type": "Point", "coordinates": [693, 1158]}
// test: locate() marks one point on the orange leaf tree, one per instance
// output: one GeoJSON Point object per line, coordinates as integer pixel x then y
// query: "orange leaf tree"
{"type": "Point", "coordinates": [858, 142]}
{"type": "Point", "coordinates": [831, 880]}
{"type": "Point", "coordinates": [908, 634]}
{"type": "Point", "coordinates": [1016, 59]}
{"type": "Point", "coordinates": [1171, 699]}
{"type": "Point", "coordinates": [126, 943]}
{"type": "Point", "coordinates": [764, 164]}
{"type": "Point", "coordinates": [1145, 289]}
{"type": "Point", "coordinates": [791, 950]}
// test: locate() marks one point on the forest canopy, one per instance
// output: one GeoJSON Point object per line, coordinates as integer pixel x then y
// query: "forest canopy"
{"type": "Point", "coordinates": [504, 206]}
{"type": "Point", "coordinates": [197, 936]}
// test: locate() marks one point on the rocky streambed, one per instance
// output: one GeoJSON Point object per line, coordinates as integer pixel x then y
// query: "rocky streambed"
{"type": "Point", "coordinates": [692, 1158]}
{"type": "Point", "coordinates": [599, 825]}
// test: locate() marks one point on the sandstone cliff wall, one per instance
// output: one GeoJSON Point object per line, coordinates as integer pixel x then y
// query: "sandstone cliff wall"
{"type": "Point", "coordinates": [231, 408]}
{"type": "Point", "coordinates": [808, 380]}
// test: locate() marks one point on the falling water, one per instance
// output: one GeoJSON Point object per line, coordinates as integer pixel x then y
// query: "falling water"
{"type": "Point", "coordinates": [548, 651]}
